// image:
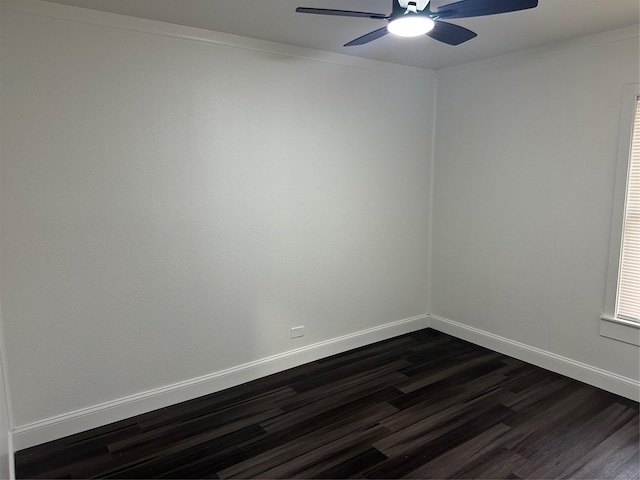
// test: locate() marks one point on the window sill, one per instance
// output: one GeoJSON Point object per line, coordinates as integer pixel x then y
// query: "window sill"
{"type": "Point", "coordinates": [621, 330]}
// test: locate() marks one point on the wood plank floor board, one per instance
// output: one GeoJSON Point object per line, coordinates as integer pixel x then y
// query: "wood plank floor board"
{"type": "Point", "coordinates": [313, 463]}
{"type": "Point", "coordinates": [387, 375]}
{"type": "Point", "coordinates": [352, 467]}
{"type": "Point", "coordinates": [497, 463]}
{"type": "Point", "coordinates": [522, 379]}
{"type": "Point", "coordinates": [150, 458]}
{"type": "Point", "coordinates": [553, 453]}
{"type": "Point", "coordinates": [332, 373]}
{"type": "Point", "coordinates": [203, 460]}
{"type": "Point", "coordinates": [537, 392]}
{"type": "Point", "coordinates": [433, 362]}
{"type": "Point", "coordinates": [187, 430]}
{"type": "Point", "coordinates": [412, 435]}
{"type": "Point", "coordinates": [275, 449]}
{"type": "Point", "coordinates": [425, 378]}
{"type": "Point", "coordinates": [418, 452]}
{"type": "Point", "coordinates": [331, 409]}
{"type": "Point", "coordinates": [439, 394]}
{"type": "Point", "coordinates": [532, 434]}
{"type": "Point", "coordinates": [545, 413]}
{"type": "Point", "coordinates": [616, 456]}
{"type": "Point", "coordinates": [455, 460]}
{"type": "Point", "coordinates": [422, 405]}
{"type": "Point", "coordinates": [431, 415]}
{"type": "Point", "coordinates": [590, 428]}
{"type": "Point", "coordinates": [226, 410]}
{"type": "Point", "coordinates": [76, 451]}
{"type": "Point", "coordinates": [222, 420]}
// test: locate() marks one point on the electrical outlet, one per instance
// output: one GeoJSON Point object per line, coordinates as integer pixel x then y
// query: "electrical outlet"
{"type": "Point", "coordinates": [297, 332]}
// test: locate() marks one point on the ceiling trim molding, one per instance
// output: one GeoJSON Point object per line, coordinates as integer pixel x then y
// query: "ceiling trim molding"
{"type": "Point", "coordinates": [597, 39]}
{"type": "Point", "coordinates": [153, 27]}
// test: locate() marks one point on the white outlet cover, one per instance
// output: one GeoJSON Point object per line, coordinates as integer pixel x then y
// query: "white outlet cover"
{"type": "Point", "coordinates": [297, 332]}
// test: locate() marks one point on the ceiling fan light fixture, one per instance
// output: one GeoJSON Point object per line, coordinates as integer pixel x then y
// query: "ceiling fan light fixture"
{"type": "Point", "coordinates": [411, 25]}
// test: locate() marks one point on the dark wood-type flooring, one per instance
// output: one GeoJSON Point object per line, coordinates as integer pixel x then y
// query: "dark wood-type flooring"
{"type": "Point", "coordinates": [423, 405]}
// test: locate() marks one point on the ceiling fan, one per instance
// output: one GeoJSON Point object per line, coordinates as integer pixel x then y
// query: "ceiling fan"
{"type": "Point", "coordinates": [411, 18]}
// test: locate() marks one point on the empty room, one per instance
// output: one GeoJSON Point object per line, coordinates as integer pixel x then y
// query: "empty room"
{"type": "Point", "coordinates": [319, 239]}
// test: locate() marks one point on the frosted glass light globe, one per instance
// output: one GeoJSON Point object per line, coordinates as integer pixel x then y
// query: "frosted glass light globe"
{"type": "Point", "coordinates": [411, 25]}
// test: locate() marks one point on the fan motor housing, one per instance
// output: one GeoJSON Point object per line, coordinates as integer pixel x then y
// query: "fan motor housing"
{"type": "Point", "coordinates": [402, 7]}
{"type": "Point", "coordinates": [420, 4]}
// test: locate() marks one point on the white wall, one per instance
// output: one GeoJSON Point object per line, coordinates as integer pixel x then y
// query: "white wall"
{"type": "Point", "coordinates": [170, 208]}
{"type": "Point", "coordinates": [524, 173]}
{"type": "Point", "coordinates": [6, 447]}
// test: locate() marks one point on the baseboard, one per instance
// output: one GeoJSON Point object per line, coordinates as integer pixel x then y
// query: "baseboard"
{"type": "Point", "coordinates": [583, 372]}
{"type": "Point", "coordinates": [80, 420]}
{"type": "Point", "coordinates": [36, 433]}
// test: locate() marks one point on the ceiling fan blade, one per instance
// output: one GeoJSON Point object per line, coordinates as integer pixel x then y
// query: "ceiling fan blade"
{"type": "Point", "coordinates": [341, 13]}
{"type": "Point", "coordinates": [451, 34]}
{"type": "Point", "coordinates": [479, 8]}
{"type": "Point", "coordinates": [369, 37]}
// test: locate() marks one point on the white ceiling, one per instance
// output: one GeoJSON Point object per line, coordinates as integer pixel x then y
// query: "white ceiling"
{"type": "Point", "coordinates": [275, 20]}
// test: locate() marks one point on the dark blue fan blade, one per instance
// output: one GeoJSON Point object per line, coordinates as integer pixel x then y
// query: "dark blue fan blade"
{"type": "Point", "coordinates": [369, 37]}
{"type": "Point", "coordinates": [451, 34]}
{"type": "Point", "coordinates": [479, 8]}
{"type": "Point", "coordinates": [341, 13]}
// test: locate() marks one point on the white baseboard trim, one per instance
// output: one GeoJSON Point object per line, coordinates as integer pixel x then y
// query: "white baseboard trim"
{"type": "Point", "coordinates": [26, 436]}
{"type": "Point", "coordinates": [583, 372]}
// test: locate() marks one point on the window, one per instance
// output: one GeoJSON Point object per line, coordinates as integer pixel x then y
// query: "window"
{"type": "Point", "coordinates": [628, 305]}
{"type": "Point", "coordinates": [621, 319]}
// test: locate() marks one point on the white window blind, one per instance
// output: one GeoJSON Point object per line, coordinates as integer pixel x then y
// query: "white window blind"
{"type": "Point", "coordinates": [628, 302]}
